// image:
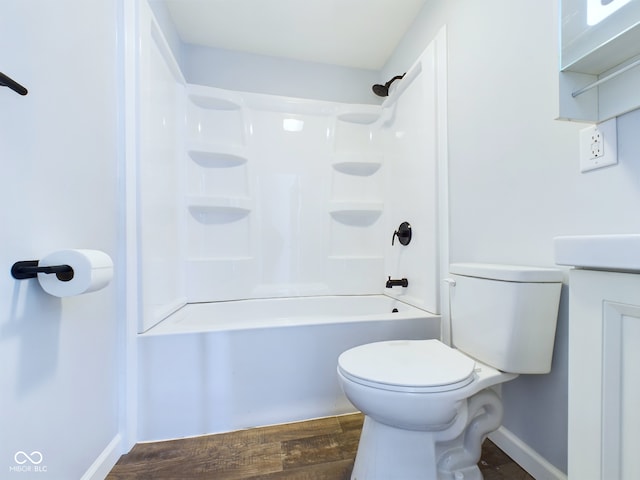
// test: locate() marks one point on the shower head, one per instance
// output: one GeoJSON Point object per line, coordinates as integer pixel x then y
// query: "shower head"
{"type": "Point", "coordinates": [383, 90]}
{"type": "Point", "coordinates": [380, 90]}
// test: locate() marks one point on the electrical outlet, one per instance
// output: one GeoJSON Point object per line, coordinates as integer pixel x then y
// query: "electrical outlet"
{"type": "Point", "coordinates": [598, 146]}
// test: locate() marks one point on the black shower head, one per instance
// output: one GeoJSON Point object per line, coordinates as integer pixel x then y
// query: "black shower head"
{"type": "Point", "coordinates": [380, 90]}
{"type": "Point", "coordinates": [383, 90]}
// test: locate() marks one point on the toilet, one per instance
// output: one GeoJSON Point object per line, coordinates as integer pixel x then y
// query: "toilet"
{"type": "Point", "coordinates": [429, 406]}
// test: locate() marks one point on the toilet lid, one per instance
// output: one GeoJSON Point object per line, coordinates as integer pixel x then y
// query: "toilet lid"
{"type": "Point", "coordinates": [408, 365]}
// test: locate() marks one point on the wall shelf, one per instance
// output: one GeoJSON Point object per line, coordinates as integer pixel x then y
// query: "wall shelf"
{"type": "Point", "coordinates": [600, 59]}
{"type": "Point", "coordinates": [360, 214]}
{"type": "Point", "coordinates": [217, 156]}
{"type": "Point", "coordinates": [204, 97]}
{"type": "Point", "coordinates": [208, 209]}
{"type": "Point", "coordinates": [360, 164]}
{"type": "Point", "coordinates": [361, 118]}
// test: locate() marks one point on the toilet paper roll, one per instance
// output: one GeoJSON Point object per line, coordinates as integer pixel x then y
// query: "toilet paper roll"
{"type": "Point", "coordinates": [92, 270]}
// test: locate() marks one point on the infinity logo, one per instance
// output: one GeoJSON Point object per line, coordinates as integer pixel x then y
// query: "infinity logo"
{"type": "Point", "coordinates": [22, 457]}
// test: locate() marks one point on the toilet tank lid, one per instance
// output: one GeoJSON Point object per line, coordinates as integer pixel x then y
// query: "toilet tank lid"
{"type": "Point", "coordinates": [508, 273]}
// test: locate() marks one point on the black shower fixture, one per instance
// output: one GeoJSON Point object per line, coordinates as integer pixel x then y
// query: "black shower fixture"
{"type": "Point", "coordinates": [403, 233]}
{"type": "Point", "coordinates": [383, 90]}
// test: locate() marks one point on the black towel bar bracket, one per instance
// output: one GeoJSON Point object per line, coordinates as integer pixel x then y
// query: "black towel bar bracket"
{"type": "Point", "coordinates": [6, 81]}
{"type": "Point", "coordinates": [30, 269]}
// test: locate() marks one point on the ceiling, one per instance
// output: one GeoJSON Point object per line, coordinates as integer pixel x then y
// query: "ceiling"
{"type": "Point", "coordinates": [350, 33]}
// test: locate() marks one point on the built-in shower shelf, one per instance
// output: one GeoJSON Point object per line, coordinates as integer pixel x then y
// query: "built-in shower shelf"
{"type": "Point", "coordinates": [209, 98]}
{"type": "Point", "coordinates": [213, 103]}
{"type": "Point", "coordinates": [217, 156]}
{"type": "Point", "coordinates": [361, 117]}
{"type": "Point", "coordinates": [361, 214]}
{"type": "Point", "coordinates": [361, 164]}
{"type": "Point", "coordinates": [208, 209]}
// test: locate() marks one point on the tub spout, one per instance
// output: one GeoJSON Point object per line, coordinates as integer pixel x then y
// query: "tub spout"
{"type": "Point", "coordinates": [403, 282]}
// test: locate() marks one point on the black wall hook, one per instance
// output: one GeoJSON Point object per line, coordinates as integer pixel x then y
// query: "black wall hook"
{"type": "Point", "coordinates": [30, 269]}
{"type": "Point", "coordinates": [6, 81]}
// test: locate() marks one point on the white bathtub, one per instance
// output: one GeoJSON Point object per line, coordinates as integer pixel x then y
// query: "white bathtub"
{"type": "Point", "coordinates": [223, 366]}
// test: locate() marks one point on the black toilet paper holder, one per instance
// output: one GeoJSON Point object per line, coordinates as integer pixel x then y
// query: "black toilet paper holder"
{"type": "Point", "coordinates": [30, 269]}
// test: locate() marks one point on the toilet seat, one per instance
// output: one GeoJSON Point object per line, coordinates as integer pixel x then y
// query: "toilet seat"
{"type": "Point", "coordinates": [418, 366]}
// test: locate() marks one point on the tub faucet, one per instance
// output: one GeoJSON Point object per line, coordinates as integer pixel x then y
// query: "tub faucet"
{"type": "Point", "coordinates": [397, 283]}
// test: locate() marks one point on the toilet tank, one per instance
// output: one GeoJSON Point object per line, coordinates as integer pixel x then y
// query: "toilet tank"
{"type": "Point", "coordinates": [505, 315]}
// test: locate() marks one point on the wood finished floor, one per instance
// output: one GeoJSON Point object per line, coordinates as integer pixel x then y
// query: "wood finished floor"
{"type": "Point", "coordinates": [322, 449]}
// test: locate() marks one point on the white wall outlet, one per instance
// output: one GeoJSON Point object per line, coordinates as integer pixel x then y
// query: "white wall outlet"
{"type": "Point", "coordinates": [598, 146]}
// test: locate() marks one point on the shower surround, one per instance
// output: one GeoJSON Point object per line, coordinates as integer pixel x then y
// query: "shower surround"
{"type": "Point", "coordinates": [246, 195]}
{"type": "Point", "coordinates": [284, 197]}
{"type": "Point", "coordinates": [254, 201]}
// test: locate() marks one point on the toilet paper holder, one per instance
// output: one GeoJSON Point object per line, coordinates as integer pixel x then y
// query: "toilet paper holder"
{"type": "Point", "coordinates": [30, 269]}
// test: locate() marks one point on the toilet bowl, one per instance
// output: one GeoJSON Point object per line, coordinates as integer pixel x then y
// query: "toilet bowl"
{"type": "Point", "coordinates": [414, 416]}
{"type": "Point", "coordinates": [428, 406]}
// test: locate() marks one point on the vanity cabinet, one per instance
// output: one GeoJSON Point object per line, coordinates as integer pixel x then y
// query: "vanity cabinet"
{"type": "Point", "coordinates": [604, 375]}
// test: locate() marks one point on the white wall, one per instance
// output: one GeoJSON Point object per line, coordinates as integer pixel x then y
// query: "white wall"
{"type": "Point", "coordinates": [514, 176]}
{"type": "Point", "coordinates": [58, 189]}
{"type": "Point", "coordinates": [266, 74]}
{"type": "Point", "coordinates": [277, 76]}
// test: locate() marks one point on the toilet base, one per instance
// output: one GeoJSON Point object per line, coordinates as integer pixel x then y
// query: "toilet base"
{"type": "Point", "coordinates": [387, 452]}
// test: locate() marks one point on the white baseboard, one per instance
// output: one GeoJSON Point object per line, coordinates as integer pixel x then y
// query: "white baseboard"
{"type": "Point", "coordinates": [105, 461]}
{"type": "Point", "coordinates": [525, 456]}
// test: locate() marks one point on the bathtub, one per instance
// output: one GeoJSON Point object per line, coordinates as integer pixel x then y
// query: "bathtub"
{"type": "Point", "coordinates": [223, 366]}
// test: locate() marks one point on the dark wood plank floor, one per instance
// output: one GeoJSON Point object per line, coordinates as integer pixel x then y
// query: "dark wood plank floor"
{"type": "Point", "coordinates": [322, 449]}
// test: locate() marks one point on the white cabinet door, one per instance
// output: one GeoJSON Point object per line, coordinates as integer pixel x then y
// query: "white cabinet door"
{"type": "Point", "coordinates": [604, 375]}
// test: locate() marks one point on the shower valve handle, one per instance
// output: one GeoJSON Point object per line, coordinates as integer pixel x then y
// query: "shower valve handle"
{"type": "Point", "coordinates": [403, 233]}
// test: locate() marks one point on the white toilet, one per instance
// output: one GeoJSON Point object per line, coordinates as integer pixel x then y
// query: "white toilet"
{"type": "Point", "coordinates": [428, 406]}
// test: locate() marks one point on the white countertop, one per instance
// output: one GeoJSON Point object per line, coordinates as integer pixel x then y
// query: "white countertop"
{"type": "Point", "coordinates": [604, 252]}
